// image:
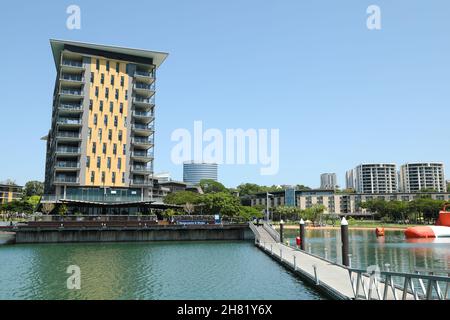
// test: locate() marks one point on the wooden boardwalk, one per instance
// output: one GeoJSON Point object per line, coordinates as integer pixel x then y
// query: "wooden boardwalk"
{"type": "Point", "coordinates": [329, 278]}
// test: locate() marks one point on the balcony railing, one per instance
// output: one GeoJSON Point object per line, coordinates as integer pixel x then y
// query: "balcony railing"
{"type": "Point", "coordinates": [71, 92]}
{"type": "Point", "coordinates": [139, 182]}
{"type": "Point", "coordinates": [143, 74]}
{"type": "Point", "coordinates": [66, 179]}
{"type": "Point", "coordinates": [141, 154]}
{"type": "Point", "coordinates": [141, 168]}
{"type": "Point", "coordinates": [144, 86]}
{"type": "Point", "coordinates": [69, 121]}
{"type": "Point", "coordinates": [140, 126]}
{"type": "Point", "coordinates": [142, 113]}
{"type": "Point", "coordinates": [140, 140]}
{"type": "Point", "coordinates": [68, 165]}
{"type": "Point", "coordinates": [68, 134]}
{"type": "Point", "coordinates": [143, 100]}
{"type": "Point", "coordinates": [68, 150]}
{"type": "Point", "coordinates": [72, 63]}
{"type": "Point", "coordinates": [71, 77]}
{"type": "Point", "coordinates": [69, 106]}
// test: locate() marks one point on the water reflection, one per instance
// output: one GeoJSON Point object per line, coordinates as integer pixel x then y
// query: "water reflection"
{"type": "Point", "coordinates": [403, 255]}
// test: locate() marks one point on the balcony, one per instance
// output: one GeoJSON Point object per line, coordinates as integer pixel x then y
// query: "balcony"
{"type": "Point", "coordinates": [66, 180]}
{"type": "Point", "coordinates": [72, 65]}
{"type": "Point", "coordinates": [141, 142]}
{"type": "Point", "coordinates": [143, 115]}
{"type": "Point", "coordinates": [68, 122]}
{"type": "Point", "coordinates": [146, 90]}
{"type": "Point", "coordinates": [144, 102]}
{"type": "Point", "coordinates": [67, 165]}
{"type": "Point", "coordinates": [141, 156]}
{"type": "Point", "coordinates": [142, 129]}
{"type": "Point", "coordinates": [140, 182]}
{"type": "Point", "coordinates": [144, 76]}
{"type": "Point", "coordinates": [141, 170]}
{"type": "Point", "coordinates": [68, 136]}
{"type": "Point", "coordinates": [71, 94]}
{"type": "Point", "coordinates": [68, 150]}
{"type": "Point", "coordinates": [71, 79]}
{"type": "Point", "coordinates": [70, 108]}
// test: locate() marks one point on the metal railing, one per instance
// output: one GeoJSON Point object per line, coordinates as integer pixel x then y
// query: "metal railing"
{"type": "Point", "coordinates": [367, 285]}
{"type": "Point", "coordinates": [68, 121]}
{"type": "Point", "coordinates": [143, 74]}
{"type": "Point", "coordinates": [71, 77]}
{"type": "Point", "coordinates": [141, 154]}
{"type": "Point", "coordinates": [143, 100]}
{"type": "Point", "coordinates": [102, 198]}
{"type": "Point", "coordinates": [141, 168]}
{"type": "Point", "coordinates": [67, 150]}
{"type": "Point", "coordinates": [66, 164]}
{"type": "Point", "coordinates": [142, 113]}
{"type": "Point", "coordinates": [141, 126]}
{"type": "Point", "coordinates": [139, 182]}
{"type": "Point", "coordinates": [66, 179]}
{"type": "Point", "coordinates": [72, 63]}
{"type": "Point", "coordinates": [67, 134]}
{"type": "Point", "coordinates": [272, 232]}
{"type": "Point", "coordinates": [140, 140]}
{"type": "Point", "coordinates": [145, 86]}
{"type": "Point", "coordinates": [71, 92]}
{"type": "Point", "coordinates": [70, 106]}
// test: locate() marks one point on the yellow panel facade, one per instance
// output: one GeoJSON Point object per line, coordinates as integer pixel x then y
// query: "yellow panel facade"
{"type": "Point", "coordinates": [99, 133]}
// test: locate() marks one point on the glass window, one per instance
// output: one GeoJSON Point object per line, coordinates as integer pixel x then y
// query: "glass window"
{"type": "Point", "coordinates": [124, 149]}
{"type": "Point", "coordinates": [92, 176]}
{"type": "Point", "coordinates": [95, 119]}
{"type": "Point", "coordinates": [115, 121]}
{"type": "Point", "coordinates": [104, 148]}
{"type": "Point", "coordinates": [92, 77]}
{"type": "Point", "coordinates": [108, 164]}
{"type": "Point", "coordinates": [117, 67]}
{"type": "Point", "coordinates": [100, 134]}
{"type": "Point", "coordinates": [107, 93]}
{"type": "Point", "coordinates": [96, 91]}
{"type": "Point", "coordinates": [111, 106]}
{"type": "Point", "coordinates": [107, 65]}
{"type": "Point", "coordinates": [119, 163]}
{"type": "Point", "coordinates": [113, 178]}
{"type": "Point", "coordinates": [123, 177]}
{"type": "Point", "coordinates": [101, 106]}
{"type": "Point", "coordinates": [122, 81]}
{"type": "Point", "coordinates": [88, 161]}
{"type": "Point", "coordinates": [91, 103]}
{"type": "Point", "coordinates": [102, 78]}
{"type": "Point", "coordinates": [105, 119]}
{"type": "Point", "coordinates": [103, 176]}
{"type": "Point", "coordinates": [99, 162]}
{"type": "Point", "coordinates": [97, 64]}
{"type": "Point", "coordinates": [120, 135]}
{"type": "Point", "coordinates": [112, 80]}
{"type": "Point", "coordinates": [114, 148]}
{"type": "Point", "coordinates": [121, 108]}
{"type": "Point", "coordinates": [109, 134]}
{"type": "Point", "coordinates": [94, 147]}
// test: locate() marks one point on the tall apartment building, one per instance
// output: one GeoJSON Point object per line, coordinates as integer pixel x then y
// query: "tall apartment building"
{"type": "Point", "coordinates": [373, 178]}
{"type": "Point", "coordinates": [416, 177]}
{"type": "Point", "coordinates": [328, 181]}
{"type": "Point", "coordinates": [102, 131]}
{"type": "Point", "coordinates": [194, 172]}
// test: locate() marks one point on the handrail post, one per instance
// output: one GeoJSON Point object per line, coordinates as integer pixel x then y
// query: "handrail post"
{"type": "Point", "coordinates": [344, 239]}
{"type": "Point", "coordinates": [302, 235]}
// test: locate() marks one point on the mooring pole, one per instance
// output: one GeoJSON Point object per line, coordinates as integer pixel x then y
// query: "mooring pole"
{"type": "Point", "coordinates": [281, 231]}
{"type": "Point", "coordinates": [344, 238]}
{"type": "Point", "coordinates": [302, 234]}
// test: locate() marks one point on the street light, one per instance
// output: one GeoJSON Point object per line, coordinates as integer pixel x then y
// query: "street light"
{"type": "Point", "coordinates": [267, 205]}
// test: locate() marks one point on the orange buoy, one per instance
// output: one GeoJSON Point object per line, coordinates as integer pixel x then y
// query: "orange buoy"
{"type": "Point", "coordinates": [379, 232]}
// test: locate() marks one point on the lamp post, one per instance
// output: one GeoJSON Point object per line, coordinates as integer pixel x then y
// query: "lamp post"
{"type": "Point", "coordinates": [344, 238]}
{"type": "Point", "coordinates": [267, 205]}
{"type": "Point", "coordinates": [281, 231]}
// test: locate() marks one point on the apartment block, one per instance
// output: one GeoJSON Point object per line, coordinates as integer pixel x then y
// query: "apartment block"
{"type": "Point", "coordinates": [10, 192]}
{"type": "Point", "coordinates": [338, 203]}
{"type": "Point", "coordinates": [101, 140]}
{"type": "Point", "coordinates": [373, 178]}
{"type": "Point", "coordinates": [416, 177]}
{"type": "Point", "coordinates": [328, 181]}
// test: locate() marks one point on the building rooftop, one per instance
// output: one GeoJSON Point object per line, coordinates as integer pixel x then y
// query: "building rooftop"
{"type": "Point", "coordinates": [58, 46]}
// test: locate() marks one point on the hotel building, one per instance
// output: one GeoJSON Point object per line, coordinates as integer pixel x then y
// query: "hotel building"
{"type": "Point", "coordinates": [100, 145]}
{"type": "Point", "coordinates": [415, 177]}
{"type": "Point", "coordinates": [373, 178]}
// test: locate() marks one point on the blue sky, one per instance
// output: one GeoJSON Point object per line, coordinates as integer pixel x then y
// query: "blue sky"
{"type": "Point", "coordinates": [339, 93]}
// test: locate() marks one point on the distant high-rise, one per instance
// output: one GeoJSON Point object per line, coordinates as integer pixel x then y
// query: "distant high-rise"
{"type": "Point", "coordinates": [373, 178]}
{"type": "Point", "coordinates": [416, 177]}
{"type": "Point", "coordinates": [193, 171]}
{"type": "Point", "coordinates": [328, 181]}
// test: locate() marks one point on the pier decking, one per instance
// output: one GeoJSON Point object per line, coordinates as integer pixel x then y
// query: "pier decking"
{"type": "Point", "coordinates": [342, 283]}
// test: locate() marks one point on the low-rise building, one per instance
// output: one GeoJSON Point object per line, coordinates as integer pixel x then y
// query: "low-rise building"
{"type": "Point", "coordinates": [10, 192]}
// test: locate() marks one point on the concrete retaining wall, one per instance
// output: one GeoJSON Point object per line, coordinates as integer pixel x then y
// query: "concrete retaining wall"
{"type": "Point", "coordinates": [180, 233]}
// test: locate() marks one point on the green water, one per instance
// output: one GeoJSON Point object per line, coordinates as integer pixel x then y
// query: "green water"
{"type": "Point", "coordinates": [403, 255]}
{"type": "Point", "coordinates": [163, 270]}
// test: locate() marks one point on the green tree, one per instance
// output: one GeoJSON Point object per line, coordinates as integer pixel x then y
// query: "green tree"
{"type": "Point", "coordinates": [249, 213]}
{"type": "Point", "coordinates": [211, 186]}
{"type": "Point", "coordinates": [183, 197]}
{"type": "Point", "coordinates": [34, 201]}
{"type": "Point", "coordinates": [221, 203]}
{"type": "Point", "coordinates": [33, 188]}
{"type": "Point", "coordinates": [62, 210]}
{"type": "Point", "coordinates": [313, 213]}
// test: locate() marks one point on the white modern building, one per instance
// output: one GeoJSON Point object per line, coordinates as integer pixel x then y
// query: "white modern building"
{"type": "Point", "coordinates": [416, 177]}
{"type": "Point", "coordinates": [194, 172]}
{"type": "Point", "coordinates": [328, 181]}
{"type": "Point", "coordinates": [373, 178]}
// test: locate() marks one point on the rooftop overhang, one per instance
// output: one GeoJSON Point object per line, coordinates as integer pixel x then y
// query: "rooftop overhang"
{"type": "Point", "coordinates": [59, 45]}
